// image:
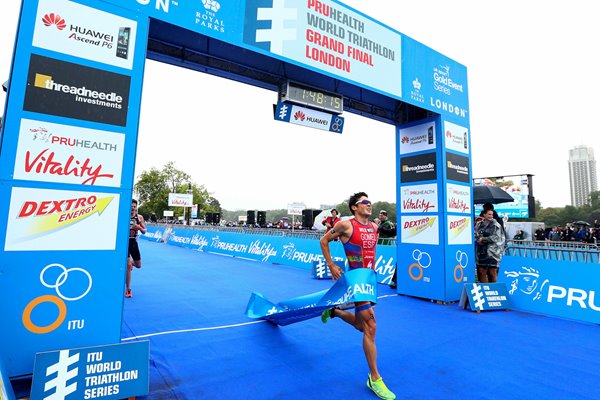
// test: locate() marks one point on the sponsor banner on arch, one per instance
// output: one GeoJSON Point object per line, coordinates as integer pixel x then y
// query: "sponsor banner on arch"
{"type": "Point", "coordinates": [327, 36]}
{"type": "Point", "coordinates": [67, 154]}
{"type": "Point", "coordinates": [45, 219]}
{"type": "Point", "coordinates": [417, 138]}
{"type": "Point", "coordinates": [458, 198]}
{"type": "Point", "coordinates": [423, 229]}
{"type": "Point", "coordinates": [558, 288]}
{"type": "Point", "coordinates": [71, 28]}
{"type": "Point", "coordinates": [456, 137]}
{"type": "Point", "coordinates": [418, 168]}
{"type": "Point", "coordinates": [70, 90]}
{"type": "Point", "coordinates": [459, 230]}
{"type": "Point", "coordinates": [434, 82]}
{"type": "Point", "coordinates": [419, 198]}
{"type": "Point", "coordinates": [457, 168]}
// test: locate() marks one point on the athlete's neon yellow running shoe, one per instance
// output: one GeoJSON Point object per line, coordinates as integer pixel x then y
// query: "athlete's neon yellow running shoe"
{"type": "Point", "coordinates": [326, 315]}
{"type": "Point", "coordinates": [379, 388]}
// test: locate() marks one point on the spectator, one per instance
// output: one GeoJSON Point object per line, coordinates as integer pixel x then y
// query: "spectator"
{"type": "Point", "coordinates": [520, 235]}
{"type": "Point", "coordinates": [385, 229]}
{"type": "Point", "coordinates": [489, 248]}
{"type": "Point", "coordinates": [539, 234]}
{"type": "Point", "coordinates": [330, 221]}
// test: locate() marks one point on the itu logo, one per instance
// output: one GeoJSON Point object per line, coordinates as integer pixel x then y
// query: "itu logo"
{"type": "Point", "coordinates": [62, 375]}
{"type": "Point", "coordinates": [69, 284]}
{"type": "Point", "coordinates": [459, 270]}
{"type": "Point", "coordinates": [273, 26]}
{"type": "Point", "coordinates": [477, 293]}
{"type": "Point", "coordinates": [54, 19]}
{"type": "Point", "coordinates": [423, 261]}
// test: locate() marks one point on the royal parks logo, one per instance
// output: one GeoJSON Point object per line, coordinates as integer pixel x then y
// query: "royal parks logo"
{"type": "Point", "coordinates": [70, 90]}
{"type": "Point", "coordinates": [208, 17]}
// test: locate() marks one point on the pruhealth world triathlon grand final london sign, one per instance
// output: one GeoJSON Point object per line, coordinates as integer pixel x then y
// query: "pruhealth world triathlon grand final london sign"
{"type": "Point", "coordinates": [70, 135]}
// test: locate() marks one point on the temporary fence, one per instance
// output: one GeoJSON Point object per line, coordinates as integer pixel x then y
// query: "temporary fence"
{"type": "Point", "coordinates": [558, 251]}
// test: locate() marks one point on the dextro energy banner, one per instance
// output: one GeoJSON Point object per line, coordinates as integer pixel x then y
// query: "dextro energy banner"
{"type": "Point", "coordinates": [40, 219]}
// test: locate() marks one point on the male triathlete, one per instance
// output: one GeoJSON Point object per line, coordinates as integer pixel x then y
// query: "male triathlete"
{"type": "Point", "coordinates": [136, 224]}
{"type": "Point", "coordinates": [359, 238]}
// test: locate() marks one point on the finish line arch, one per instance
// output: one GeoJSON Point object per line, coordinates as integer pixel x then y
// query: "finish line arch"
{"type": "Point", "coordinates": [70, 136]}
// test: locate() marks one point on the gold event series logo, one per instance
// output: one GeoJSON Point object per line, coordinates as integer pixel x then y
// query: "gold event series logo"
{"type": "Point", "coordinates": [56, 214]}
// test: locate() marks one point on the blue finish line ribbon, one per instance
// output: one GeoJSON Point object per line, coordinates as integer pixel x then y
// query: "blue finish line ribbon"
{"type": "Point", "coordinates": [356, 285]}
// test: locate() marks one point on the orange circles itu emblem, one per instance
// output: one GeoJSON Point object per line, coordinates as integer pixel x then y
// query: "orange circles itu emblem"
{"type": "Point", "coordinates": [59, 299]}
{"type": "Point", "coordinates": [62, 314]}
{"type": "Point", "coordinates": [423, 261]}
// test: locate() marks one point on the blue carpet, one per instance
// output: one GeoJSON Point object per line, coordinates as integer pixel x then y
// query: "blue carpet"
{"type": "Point", "coordinates": [191, 305]}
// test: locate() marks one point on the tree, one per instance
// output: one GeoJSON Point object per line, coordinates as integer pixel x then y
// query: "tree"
{"type": "Point", "coordinates": [153, 188]}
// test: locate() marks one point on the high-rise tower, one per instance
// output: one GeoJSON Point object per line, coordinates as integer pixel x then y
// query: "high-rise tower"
{"type": "Point", "coordinates": [582, 174]}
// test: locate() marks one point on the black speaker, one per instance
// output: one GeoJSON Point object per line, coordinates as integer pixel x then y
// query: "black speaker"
{"type": "Point", "coordinates": [307, 218]}
{"type": "Point", "coordinates": [531, 206]}
{"type": "Point", "coordinates": [251, 217]}
{"type": "Point", "coordinates": [315, 213]}
{"type": "Point", "coordinates": [216, 218]}
{"type": "Point", "coordinates": [262, 218]}
{"type": "Point", "coordinates": [209, 218]}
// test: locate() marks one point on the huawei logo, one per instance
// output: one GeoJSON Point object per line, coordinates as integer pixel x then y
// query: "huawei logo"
{"type": "Point", "coordinates": [54, 19]}
{"type": "Point", "coordinates": [405, 139]}
{"type": "Point", "coordinates": [448, 134]}
{"type": "Point", "coordinates": [299, 115]}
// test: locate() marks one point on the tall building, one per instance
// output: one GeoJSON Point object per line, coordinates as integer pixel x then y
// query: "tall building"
{"type": "Point", "coordinates": [582, 174]}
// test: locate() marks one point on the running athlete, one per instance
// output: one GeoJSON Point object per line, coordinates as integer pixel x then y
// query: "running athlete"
{"type": "Point", "coordinates": [134, 258]}
{"type": "Point", "coordinates": [359, 238]}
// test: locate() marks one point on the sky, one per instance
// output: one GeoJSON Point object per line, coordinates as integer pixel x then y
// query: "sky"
{"type": "Point", "coordinates": [533, 93]}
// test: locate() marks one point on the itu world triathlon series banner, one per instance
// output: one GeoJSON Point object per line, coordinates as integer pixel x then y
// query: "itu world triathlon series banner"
{"type": "Point", "coordinates": [295, 252]}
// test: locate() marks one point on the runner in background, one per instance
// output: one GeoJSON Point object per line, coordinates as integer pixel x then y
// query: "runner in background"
{"type": "Point", "coordinates": [134, 258]}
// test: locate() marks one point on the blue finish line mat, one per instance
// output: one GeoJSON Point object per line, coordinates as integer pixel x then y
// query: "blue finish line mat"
{"type": "Point", "coordinates": [191, 306]}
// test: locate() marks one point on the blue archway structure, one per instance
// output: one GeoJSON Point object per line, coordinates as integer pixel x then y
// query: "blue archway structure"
{"type": "Point", "coordinates": [70, 135]}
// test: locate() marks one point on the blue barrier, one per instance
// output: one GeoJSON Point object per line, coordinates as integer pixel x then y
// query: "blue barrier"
{"type": "Point", "coordinates": [287, 250]}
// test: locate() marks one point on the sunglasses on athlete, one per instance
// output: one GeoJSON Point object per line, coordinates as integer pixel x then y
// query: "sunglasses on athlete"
{"type": "Point", "coordinates": [365, 202]}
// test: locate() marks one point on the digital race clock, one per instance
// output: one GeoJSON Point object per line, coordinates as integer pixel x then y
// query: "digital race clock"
{"type": "Point", "coordinates": [312, 97]}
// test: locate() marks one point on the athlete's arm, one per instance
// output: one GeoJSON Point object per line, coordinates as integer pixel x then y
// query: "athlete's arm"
{"type": "Point", "coordinates": [142, 225]}
{"type": "Point", "coordinates": [339, 230]}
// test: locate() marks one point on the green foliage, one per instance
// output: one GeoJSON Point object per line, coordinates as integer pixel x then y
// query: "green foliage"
{"type": "Point", "coordinates": [561, 216]}
{"type": "Point", "coordinates": [153, 188]}
{"type": "Point", "coordinates": [344, 209]}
